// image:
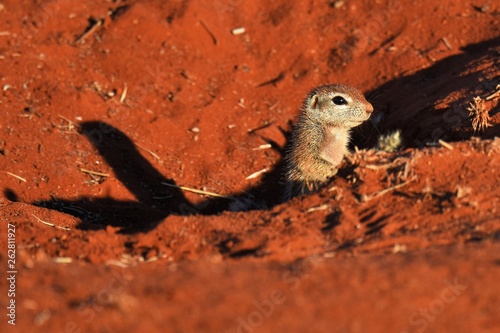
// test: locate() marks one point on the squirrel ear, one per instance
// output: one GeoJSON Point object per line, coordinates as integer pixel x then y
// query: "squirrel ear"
{"type": "Point", "coordinates": [313, 102]}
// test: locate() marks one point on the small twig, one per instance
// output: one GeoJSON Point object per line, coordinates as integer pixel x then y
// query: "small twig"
{"type": "Point", "coordinates": [277, 79]}
{"type": "Point", "coordinates": [366, 198]}
{"type": "Point", "coordinates": [69, 121]}
{"type": "Point", "coordinates": [495, 94]}
{"type": "Point", "coordinates": [152, 259]}
{"type": "Point", "coordinates": [115, 262]}
{"type": "Point", "coordinates": [257, 173]}
{"type": "Point", "coordinates": [94, 25]}
{"type": "Point", "coordinates": [16, 176]}
{"type": "Point", "coordinates": [273, 106]}
{"type": "Point", "coordinates": [396, 162]}
{"type": "Point", "coordinates": [445, 41]}
{"type": "Point", "coordinates": [241, 103]}
{"type": "Point", "coordinates": [265, 146]}
{"type": "Point", "coordinates": [388, 40]}
{"type": "Point", "coordinates": [314, 209]}
{"type": "Point", "coordinates": [124, 94]}
{"type": "Point", "coordinates": [379, 167]}
{"type": "Point", "coordinates": [70, 127]}
{"type": "Point", "coordinates": [95, 173]}
{"type": "Point", "coordinates": [188, 189]}
{"type": "Point", "coordinates": [445, 144]}
{"type": "Point", "coordinates": [214, 40]}
{"type": "Point", "coordinates": [149, 151]}
{"type": "Point", "coordinates": [266, 125]}
{"type": "Point", "coordinates": [62, 260]}
{"type": "Point", "coordinates": [50, 224]}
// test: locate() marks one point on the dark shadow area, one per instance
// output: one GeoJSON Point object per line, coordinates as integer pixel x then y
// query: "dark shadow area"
{"type": "Point", "coordinates": [263, 196]}
{"type": "Point", "coordinates": [408, 103]}
{"type": "Point", "coordinates": [405, 103]}
{"type": "Point", "coordinates": [154, 201]}
{"type": "Point", "coordinates": [375, 225]}
{"type": "Point", "coordinates": [332, 220]}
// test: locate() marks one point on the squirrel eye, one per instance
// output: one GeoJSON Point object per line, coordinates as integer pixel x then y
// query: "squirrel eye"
{"type": "Point", "coordinates": [339, 100]}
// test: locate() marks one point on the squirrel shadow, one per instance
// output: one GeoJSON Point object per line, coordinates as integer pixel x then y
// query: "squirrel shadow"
{"type": "Point", "coordinates": [154, 200]}
{"type": "Point", "coordinates": [410, 112]}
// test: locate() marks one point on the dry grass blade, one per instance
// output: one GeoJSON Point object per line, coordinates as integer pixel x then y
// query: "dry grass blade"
{"type": "Point", "coordinates": [494, 95]}
{"type": "Point", "coordinates": [69, 121]}
{"type": "Point", "coordinates": [149, 151]}
{"type": "Point", "coordinates": [445, 144]}
{"type": "Point", "coordinates": [94, 26]}
{"type": "Point", "coordinates": [70, 128]}
{"type": "Point", "coordinates": [273, 106]}
{"type": "Point", "coordinates": [379, 167]}
{"type": "Point", "coordinates": [446, 43]}
{"type": "Point", "coordinates": [366, 198]}
{"type": "Point", "coordinates": [16, 176]}
{"type": "Point", "coordinates": [124, 94]}
{"type": "Point", "coordinates": [95, 173]}
{"type": "Point", "coordinates": [115, 262]}
{"type": "Point", "coordinates": [62, 260]}
{"type": "Point", "coordinates": [193, 190]}
{"type": "Point", "coordinates": [265, 146]}
{"type": "Point", "coordinates": [50, 224]}
{"type": "Point", "coordinates": [257, 173]}
{"type": "Point", "coordinates": [315, 209]}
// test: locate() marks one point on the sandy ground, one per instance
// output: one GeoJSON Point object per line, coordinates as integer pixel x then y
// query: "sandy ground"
{"type": "Point", "coordinates": [105, 102]}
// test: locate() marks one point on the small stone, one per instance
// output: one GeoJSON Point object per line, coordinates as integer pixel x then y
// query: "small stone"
{"type": "Point", "coordinates": [238, 31]}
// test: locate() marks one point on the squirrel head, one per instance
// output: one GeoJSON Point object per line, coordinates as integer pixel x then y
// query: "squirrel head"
{"type": "Point", "coordinates": [337, 105]}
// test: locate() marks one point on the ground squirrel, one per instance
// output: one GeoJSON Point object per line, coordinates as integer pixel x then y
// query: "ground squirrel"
{"type": "Point", "coordinates": [320, 136]}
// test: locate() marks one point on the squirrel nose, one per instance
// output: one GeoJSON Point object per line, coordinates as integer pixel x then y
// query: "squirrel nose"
{"type": "Point", "coordinates": [369, 108]}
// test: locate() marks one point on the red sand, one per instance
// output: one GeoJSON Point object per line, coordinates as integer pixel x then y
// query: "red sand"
{"type": "Point", "coordinates": [147, 92]}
